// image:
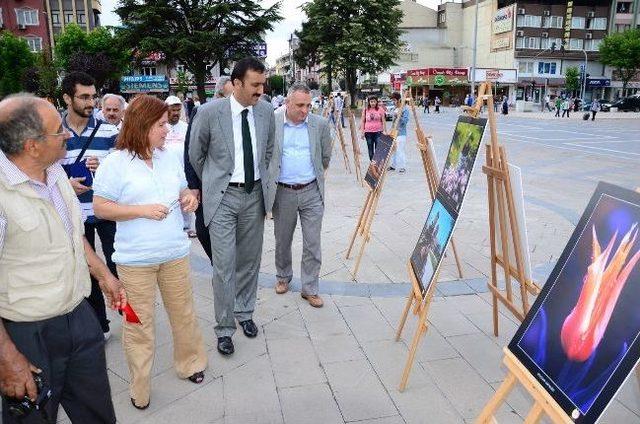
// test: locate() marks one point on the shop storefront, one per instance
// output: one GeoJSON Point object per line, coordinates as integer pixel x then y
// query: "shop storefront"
{"type": "Point", "coordinates": [504, 81]}
{"type": "Point", "coordinates": [137, 84]}
{"type": "Point", "coordinates": [449, 84]}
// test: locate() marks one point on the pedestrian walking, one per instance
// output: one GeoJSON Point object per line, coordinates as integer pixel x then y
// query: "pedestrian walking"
{"type": "Point", "coordinates": [301, 155]}
{"type": "Point", "coordinates": [339, 104]}
{"type": "Point", "coordinates": [425, 104]}
{"type": "Point", "coordinates": [373, 124]}
{"type": "Point", "coordinates": [230, 148]}
{"type": "Point", "coordinates": [595, 108]}
{"type": "Point", "coordinates": [505, 105]}
{"type": "Point", "coordinates": [566, 106]}
{"type": "Point", "coordinates": [90, 142]}
{"type": "Point", "coordinates": [47, 326]}
{"type": "Point", "coordinates": [399, 160]}
{"type": "Point", "coordinates": [547, 102]}
{"type": "Point", "coordinates": [437, 102]}
{"type": "Point", "coordinates": [558, 105]}
{"type": "Point", "coordinates": [142, 187]}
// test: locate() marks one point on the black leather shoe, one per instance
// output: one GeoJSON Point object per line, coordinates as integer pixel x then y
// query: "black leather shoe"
{"type": "Point", "coordinates": [249, 327]}
{"type": "Point", "coordinates": [225, 345]}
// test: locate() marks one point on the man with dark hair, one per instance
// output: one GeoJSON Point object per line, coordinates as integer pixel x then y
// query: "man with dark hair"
{"type": "Point", "coordinates": [46, 326]}
{"type": "Point", "coordinates": [91, 140]}
{"type": "Point", "coordinates": [231, 143]}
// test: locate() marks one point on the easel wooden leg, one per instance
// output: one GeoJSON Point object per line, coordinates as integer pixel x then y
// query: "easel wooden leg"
{"type": "Point", "coordinates": [534, 415]}
{"type": "Point", "coordinates": [455, 256]}
{"type": "Point", "coordinates": [405, 313]}
{"type": "Point", "coordinates": [360, 223]}
{"type": "Point", "coordinates": [422, 328]}
{"type": "Point", "coordinates": [486, 416]}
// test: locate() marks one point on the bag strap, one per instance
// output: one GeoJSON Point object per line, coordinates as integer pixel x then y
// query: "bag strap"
{"type": "Point", "coordinates": [88, 142]}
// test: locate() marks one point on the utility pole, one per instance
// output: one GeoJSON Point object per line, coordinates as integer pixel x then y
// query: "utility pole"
{"type": "Point", "coordinates": [475, 51]}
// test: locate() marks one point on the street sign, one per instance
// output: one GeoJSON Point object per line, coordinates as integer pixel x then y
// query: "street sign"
{"type": "Point", "coordinates": [599, 82]}
{"type": "Point", "coordinates": [144, 84]}
{"type": "Point", "coordinates": [260, 49]}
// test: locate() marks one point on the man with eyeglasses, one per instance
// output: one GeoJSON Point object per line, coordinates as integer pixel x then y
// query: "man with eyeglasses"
{"type": "Point", "coordinates": [85, 148]}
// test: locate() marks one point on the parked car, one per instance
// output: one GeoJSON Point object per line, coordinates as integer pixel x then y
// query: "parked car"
{"type": "Point", "coordinates": [605, 106]}
{"type": "Point", "coordinates": [389, 109]}
{"type": "Point", "coordinates": [628, 103]}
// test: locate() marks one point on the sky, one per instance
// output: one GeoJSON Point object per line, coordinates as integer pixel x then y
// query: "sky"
{"type": "Point", "coordinates": [277, 43]}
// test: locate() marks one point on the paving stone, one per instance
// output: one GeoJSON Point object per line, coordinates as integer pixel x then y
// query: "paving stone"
{"type": "Point", "coordinates": [309, 404]}
{"type": "Point", "coordinates": [482, 354]}
{"type": "Point", "coordinates": [366, 323]}
{"type": "Point", "coordinates": [250, 391]}
{"type": "Point", "coordinates": [295, 363]}
{"type": "Point", "coordinates": [448, 321]}
{"type": "Point", "coordinates": [337, 348]}
{"type": "Point", "coordinates": [359, 393]}
{"type": "Point", "coordinates": [286, 326]}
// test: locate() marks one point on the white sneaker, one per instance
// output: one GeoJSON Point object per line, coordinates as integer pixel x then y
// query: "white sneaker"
{"type": "Point", "coordinates": [107, 335]}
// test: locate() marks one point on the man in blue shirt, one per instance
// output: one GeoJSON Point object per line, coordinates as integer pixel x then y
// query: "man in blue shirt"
{"type": "Point", "coordinates": [79, 94]}
{"type": "Point", "coordinates": [301, 154]}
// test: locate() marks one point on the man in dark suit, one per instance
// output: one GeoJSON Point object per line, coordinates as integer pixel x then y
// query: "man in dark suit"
{"type": "Point", "coordinates": [231, 144]}
{"type": "Point", "coordinates": [224, 88]}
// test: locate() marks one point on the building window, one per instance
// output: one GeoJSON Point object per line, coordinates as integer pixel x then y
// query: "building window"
{"type": "Point", "coordinates": [27, 17]}
{"type": "Point", "coordinates": [575, 44]}
{"type": "Point", "coordinates": [547, 43]}
{"type": "Point", "coordinates": [35, 44]}
{"type": "Point", "coordinates": [577, 22]}
{"type": "Point", "coordinates": [547, 68]}
{"type": "Point", "coordinates": [623, 7]}
{"type": "Point", "coordinates": [82, 18]}
{"type": "Point", "coordinates": [55, 19]}
{"type": "Point", "coordinates": [442, 17]}
{"type": "Point", "coordinates": [597, 23]}
{"type": "Point", "coordinates": [149, 71]}
{"type": "Point", "coordinates": [552, 22]}
{"type": "Point", "coordinates": [1, 18]}
{"type": "Point", "coordinates": [68, 18]}
{"type": "Point", "coordinates": [622, 27]}
{"type": "Point", "coordinates": [525, 67]}
{"type": "Point", "coordinates": [592, 45]}
{"type": "Point", "coordinates": [529, 21]}
{"type": "Point", "coordinates": [528, 43]}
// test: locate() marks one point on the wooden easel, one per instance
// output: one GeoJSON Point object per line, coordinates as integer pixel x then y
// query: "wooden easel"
{"type": "Point", "coordinates": [544, 403]}
{"type": "Point", "coordinates": [338, 133]}
{"type": "Point", "coordinates": [363, 227]}
{"type": "Point", "coordinates": [354, 141]}
{"type": "Point", "coordinates": [499, 188]}
{"type": "Point", "coordinates": [421, 301]}
{"type": "Point", "coordinates": [431, 171]}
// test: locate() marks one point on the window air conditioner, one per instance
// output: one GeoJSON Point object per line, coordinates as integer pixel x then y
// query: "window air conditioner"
{"type": "Point", "coordinates": [588, 36]}
{"type": "Point", "coordinates": [22, 26]}
{"type": "Point", "coordinates": [546, 13]}
{"type": "Point", "coordinates": [520, 33]}
{"type": "Point", "coordinates": [521, 11]}
{"type": "Point", "coordinates": [591, 14]}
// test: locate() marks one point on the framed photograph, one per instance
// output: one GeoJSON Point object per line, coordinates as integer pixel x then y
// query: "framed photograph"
{"type": "Point", "coordinates": [429, 250]}
{"type": "Point", "coordinates": [580, 338]}
{"type": "Point", "coordinates": [460, 161]}
{"type": "Point", "coordinates": [379, 161]}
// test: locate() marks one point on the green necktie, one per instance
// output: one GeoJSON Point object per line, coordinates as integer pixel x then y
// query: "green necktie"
{"type": "Point", "coordinates": [247, 151]}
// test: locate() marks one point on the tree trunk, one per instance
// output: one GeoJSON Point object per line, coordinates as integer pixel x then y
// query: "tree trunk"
{"type": "Point", "coordinates": [330, 76]}
{"type": "Point", "coordinates": [350, 77]}
{"type": "Point", "coordinates": [199, 75]}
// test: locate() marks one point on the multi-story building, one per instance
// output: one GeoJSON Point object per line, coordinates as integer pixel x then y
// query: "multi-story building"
{"type": "Point", "coordinates": [26, 19]}
{"type": "Point", "coordinates": [85, 13]}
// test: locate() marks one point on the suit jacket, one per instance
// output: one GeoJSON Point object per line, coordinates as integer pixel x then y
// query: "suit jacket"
{"type": "Point", "coordinates": [193, 180]}
{"type": "Point", "coordinates": [320, 140]}
{"type": "Point", "coordinates": [212, 150]}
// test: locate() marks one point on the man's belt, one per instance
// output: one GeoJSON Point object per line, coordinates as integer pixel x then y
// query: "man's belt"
{"type": "Point", "coordinates": [296, 186]}
{"type": "Point", "coordinates": [242, 184]}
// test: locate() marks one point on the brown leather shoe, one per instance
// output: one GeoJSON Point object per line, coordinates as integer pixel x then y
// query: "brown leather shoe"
{"type": "Point", "coordinates": [313, 299]}
{"type": "Point", "coordinates": [282, 287]}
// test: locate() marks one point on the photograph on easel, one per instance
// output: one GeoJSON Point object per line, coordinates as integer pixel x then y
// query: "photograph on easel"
{"type": "Point", "coordinates": [379, 161]}
{"type": "Point", "coordinates": [580, 338]}
{"type": "Point", "coordinates": [429, 250]}
{"type": "Point", "coordinates": [460, 161]}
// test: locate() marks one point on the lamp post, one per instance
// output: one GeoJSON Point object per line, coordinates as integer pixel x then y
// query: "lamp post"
{"type": "Point", "coordinates": [475, 51]}
{"type": "Point", "coordinates": [584, 77]}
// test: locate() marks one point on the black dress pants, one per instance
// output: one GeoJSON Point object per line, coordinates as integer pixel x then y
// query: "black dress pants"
{"type": "Point", "coordinates": [69, 349]}
{"type": "Point", "coordinates": [106, 231]}
{"type": "Point", "coordinates": [203, 232]}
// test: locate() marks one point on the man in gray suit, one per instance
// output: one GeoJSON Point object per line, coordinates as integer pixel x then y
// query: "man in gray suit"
{"type": "Point", "coordinates": [296, 187]}
{"type": "Point", "coordinates": [230, 149]}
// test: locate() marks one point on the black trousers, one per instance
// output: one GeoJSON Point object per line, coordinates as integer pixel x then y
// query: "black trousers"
{"type": "Point", "coordinates": [372, 142]}
{"type": "Point", "coordinates": [106, 231]}
{"type": "Point", "coordinates": [203, 232]}
{"type": "Point", "coordinates": [69, 349]}
{"type": "Point", "coordinates": [593, 115]}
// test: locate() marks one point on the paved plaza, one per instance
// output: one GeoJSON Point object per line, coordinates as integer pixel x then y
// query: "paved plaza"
{"type": "Point", "coordinates": [341, 363]}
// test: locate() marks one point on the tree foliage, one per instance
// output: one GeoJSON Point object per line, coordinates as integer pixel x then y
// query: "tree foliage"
{"type": "Point", "coordinates": [621, 51]}
{"type": "Point", "coordinates": [42, 78]}
{"type": "Point", "coordinates": [98, 53]}
{"type": "Point", "coordinates": [351, 36]}
{"type": "Point", "coordinates": [198, 33]}
{"type": "Point", "coordinates": [276, 84]}
{"type": "Point", "coordinates": [572, 79]}
{"type": "Point", "coordinates": [15, 60]}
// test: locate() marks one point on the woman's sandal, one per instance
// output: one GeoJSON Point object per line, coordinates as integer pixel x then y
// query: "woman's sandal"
{"type": "Point", "coordinates": [197, 378]}
{"type": "Point", "coordinates": [133, 402]}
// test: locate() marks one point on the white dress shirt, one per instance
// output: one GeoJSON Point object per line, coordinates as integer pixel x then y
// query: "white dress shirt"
{"type": "Point", "coordinates": [236, 117]}
{"type": "Point", "coordinates": [174, 142]}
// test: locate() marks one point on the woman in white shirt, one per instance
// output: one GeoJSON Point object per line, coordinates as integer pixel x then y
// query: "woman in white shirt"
{"type": "Point", "coordinates": [143, 188]}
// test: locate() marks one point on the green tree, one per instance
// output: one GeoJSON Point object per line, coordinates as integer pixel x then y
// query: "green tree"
{"type": "Point", "coordinates": [352, 36]}
{"type": "Point", "coordinates": [198, 33]}
{"type": "Point", "coordinates": [572, 79]}
{"type": "Point", "coordinates": [99, 53]}
{"type": "Point", "coordinates": [276, 84]}
{"type": "Point", "coordinates": [621, 51]}
{"type": "Point", "coordinates": [15, 60]}
{"type": "Point", "coordinates": [42, 78]}
{"type": "Point", "coordinates": [182, 81]}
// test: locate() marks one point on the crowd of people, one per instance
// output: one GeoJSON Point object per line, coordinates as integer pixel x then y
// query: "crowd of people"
{"type": "Point", "coordinates": [132, 175]}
